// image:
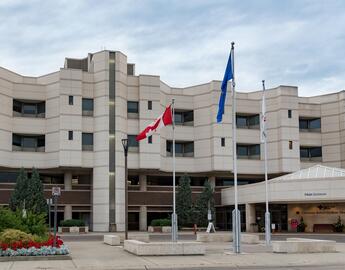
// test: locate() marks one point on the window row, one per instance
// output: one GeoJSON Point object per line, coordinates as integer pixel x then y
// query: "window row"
{"type": "Point", "coordinates": [36, 143]}
{"type": "Point", "coordinates": [30, 108]}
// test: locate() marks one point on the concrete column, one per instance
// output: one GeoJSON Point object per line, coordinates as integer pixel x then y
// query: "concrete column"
{"type": "Point", "coordinates": [68, 187]}
{"type": "Point", "coordinates": [68, 181]}
{"type": "Point", "coordinates": [143, 218]}
{"type": "Point", "coordinates": [143, 182]}
{"type": "Point", "coordinates": [250, 217]}
{"type": "Point", "coordinates": [212, 181]}
{"type": "Point", "coordinates": [67, 212]}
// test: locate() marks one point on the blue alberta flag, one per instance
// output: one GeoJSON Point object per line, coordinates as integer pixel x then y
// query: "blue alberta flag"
{"type": "Point", "coordinates": [227, 77]}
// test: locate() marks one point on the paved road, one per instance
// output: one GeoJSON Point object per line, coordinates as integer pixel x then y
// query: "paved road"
{"type": "Point", "coordinates": [166, 237]}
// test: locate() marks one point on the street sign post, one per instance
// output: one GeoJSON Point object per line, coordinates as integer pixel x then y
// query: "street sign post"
{"type": "Point", "coordinates": [56, 192]}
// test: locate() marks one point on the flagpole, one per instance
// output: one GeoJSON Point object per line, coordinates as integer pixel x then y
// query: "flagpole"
{"type": "Point", "coordinates": [236, 218]}
{"type": "Point", "coordinates": [264, 135]}
{"type": "Point", "coordinates": [174, 216]}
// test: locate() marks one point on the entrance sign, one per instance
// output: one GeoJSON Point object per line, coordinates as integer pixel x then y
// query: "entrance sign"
{"type": "Point", "coordinates": [210, 228]}
{"type": "Point", "coordinates": [56, 191]}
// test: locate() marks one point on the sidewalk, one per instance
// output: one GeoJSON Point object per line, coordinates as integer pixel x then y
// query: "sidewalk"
{"type": "Point", "coordinates": [96, 255]}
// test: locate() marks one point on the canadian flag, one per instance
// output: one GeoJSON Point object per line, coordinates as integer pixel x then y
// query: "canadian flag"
{"type": "Point", "coordinates": [163, 120]}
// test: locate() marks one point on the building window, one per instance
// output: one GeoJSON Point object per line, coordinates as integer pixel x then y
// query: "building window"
{"type": "Point", "coordinates": [133, 109]}
{"type": "Point", "coordinates": [185, 118]}
{"type": "Point", "coordinates": [130, 69]}
{"type": "Point", "coordinates": [309, 124]}
{"type": "Point", "coordinates": [310, 153]}
{"type": "Point", "coordinates": [133, 144]}
{"type": "Point", "coordinates": [87, 141]}
{"type": "Point", "coordinates": [248, 151]}
{"type": "Point", "coordinates": [149, 139]}
{"type": "Point", "coordinates": [87, 106]}
{"type": "Point", "coordinates": [70, 135]}
{"type": "Point", "coordinates": [28, 143]}
{"type": "Point", "coordinates": [290, 145]}
{"type": "Point", "coordinates": [182, 149]}
{"type": "Point", "coordinates": [289, 113]}
{"type": "Point", "coordinates": [149, 105]}
{"type": "Point", "coordinates": [222, 142]}
{"type": "Point", "coordinates": [29, 108]}
{"type": "Point", "coordinates": [70, 100]}
{"type": "Point", "coordinates": [248, 121]}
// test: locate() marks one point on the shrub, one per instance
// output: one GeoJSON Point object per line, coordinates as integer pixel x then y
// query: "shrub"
{"type": "Point", "coordinates": [339, 226]}
{"type": "Point", "coordinates": [9, 219]}
{"type": "Point", "coordinates": [301, 226]}
{"type": "Point", "coordinates": [72, 223]}
{"type": "Point", "coordinates": [32, 223]}
{"type": "Point", "coordinates": [10, 236]}
{"type": "Point", "coordinates": [161, 222]}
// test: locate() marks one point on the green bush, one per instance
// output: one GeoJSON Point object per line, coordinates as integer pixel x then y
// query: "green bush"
{"type": "Point", "coordinates": [72, 223]}
{"type": "Point", "coordinates": [301, 226]}
{"type": "Point", "coordinates": [31, 224]}
{"type": "Point", "coordinates": [34, 223]}
{"type": "Point", "coordinates": [339, 226]}
{"type": "Point", "coordinates": [9, 220]}
{"type": "Point", "coordinates": [9, 236]}
{"type": "Point", "coordinates": [161, 222]}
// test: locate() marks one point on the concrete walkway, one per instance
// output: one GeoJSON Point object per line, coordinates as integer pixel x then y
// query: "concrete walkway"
{"type": "Point", "coordinates": [96, 255]}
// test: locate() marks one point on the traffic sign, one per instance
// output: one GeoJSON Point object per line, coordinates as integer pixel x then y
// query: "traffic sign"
{"type": "Point", "coordinates": [56, 191]}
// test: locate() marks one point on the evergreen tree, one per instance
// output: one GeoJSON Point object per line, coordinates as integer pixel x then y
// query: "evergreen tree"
{"type": "Point", "coordinates": [184, 201]}
{"type": "Point", "coordinates": [37, 202]}
{"type": "Point", "coordinates": [20, 193]}
{"type": "Point", "coordinates": [29, 192]}
{"type": "Point", "coordinates": [201, 205]}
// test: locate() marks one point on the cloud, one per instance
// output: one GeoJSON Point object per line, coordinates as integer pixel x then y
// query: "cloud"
{"type": "Point", "coordinates": [185, 42]}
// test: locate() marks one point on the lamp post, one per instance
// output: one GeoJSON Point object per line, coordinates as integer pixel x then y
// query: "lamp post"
{"type": "Point", "coordinates": [125, 150]}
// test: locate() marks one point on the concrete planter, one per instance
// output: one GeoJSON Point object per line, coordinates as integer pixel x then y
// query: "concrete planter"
{"type": "Point", "coordinates": [164, 229]}
{"type": "Point", "coordinates": [83, 229]}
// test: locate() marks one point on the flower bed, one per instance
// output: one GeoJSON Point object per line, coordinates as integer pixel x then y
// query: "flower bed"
{"type": "Point", "coordinates": [32, 248]}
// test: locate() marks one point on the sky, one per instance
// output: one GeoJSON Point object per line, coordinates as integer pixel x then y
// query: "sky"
{"type": "Point", "coordinates": [187, 42]}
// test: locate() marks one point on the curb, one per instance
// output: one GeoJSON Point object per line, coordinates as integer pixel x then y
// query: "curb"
{"type": "Point", "coordinates": [35, 258]}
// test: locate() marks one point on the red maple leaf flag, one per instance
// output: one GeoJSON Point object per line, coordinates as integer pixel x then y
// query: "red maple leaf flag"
{"type": "Point", "coordinates": [163, 120]}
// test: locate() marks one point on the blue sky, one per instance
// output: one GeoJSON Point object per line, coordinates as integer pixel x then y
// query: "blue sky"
{"type": "Point", "coordinates": [186, 42]}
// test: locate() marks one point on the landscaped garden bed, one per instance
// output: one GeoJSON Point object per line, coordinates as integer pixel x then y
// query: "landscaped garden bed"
{"type": "Point", "coordinates": [18, 243]}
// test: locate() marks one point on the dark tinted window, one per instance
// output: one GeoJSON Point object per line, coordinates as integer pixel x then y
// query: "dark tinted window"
{"type": "Point", "coordinates": [70, 135]}
{"type": "Point", "coordinates": [149, 105]}
{"type": "Point", "coordinates": [247, 121]}
{"type": "Point", "coordinates": [289, 114]}
{"type": "Point", "coordinates": [8, 177]}
{"type": "Point", "coordinates": [313, 125]}
{"type": "Point", "coordinates": [182, 149]}
{"type": "Point", "coordinates": [132, 142]}
{"type": "Point", "coordinates": [132, 107]}
{"type": "Point", "coordinates": [184, 117]}
{"type": "Point", "coordinates": [87, 141]}
{"type": "Point", "coordinates": [222, 142]}
{"type": "Point", "coordinates": [250, 151]}
{"type": "Point", "coordinates": [87, 105]}
{"type": "Point", "coordinates": [70, 100]}
{"type": "Point", "coordinates": [28, 143]}
{"type": "Point", "coordinates": [149, 139]}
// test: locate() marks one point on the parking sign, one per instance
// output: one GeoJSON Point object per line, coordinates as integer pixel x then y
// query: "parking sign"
{"type": "Point", "coordinates": [56, 191]}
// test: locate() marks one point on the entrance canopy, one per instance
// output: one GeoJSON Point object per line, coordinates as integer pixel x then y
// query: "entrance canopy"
{"type": "Point", "coordinates": [317, 183]}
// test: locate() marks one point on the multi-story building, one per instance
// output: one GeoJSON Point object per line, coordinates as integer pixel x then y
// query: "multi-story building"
{"type": "Point", "coordinates": [69, 125]}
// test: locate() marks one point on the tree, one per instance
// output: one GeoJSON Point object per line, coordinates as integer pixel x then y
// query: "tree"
{"type": "Point", "coordinates": [37, 203]}
{"type": "Point", "coordinates": [28, 192]}
{"type": "Point", "coordinates": [202, 204]}
{"type": "Point", "coordinates": [20, 193]}
{"type": "Point", "coordinates": [184, 201]}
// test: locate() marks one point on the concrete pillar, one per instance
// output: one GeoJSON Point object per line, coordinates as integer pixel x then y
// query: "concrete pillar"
{"type": "Point", "coordinates": [250, 217]}
{"type": "Point", "coordinates": [212, 181]}
{"type": "Point", "coordinates": [67, 212]}
{"type": "Point", "coordinates": [143, 218]}
{"type": "Point", "coordinates": [68, 181]}
{"type": "Point", "coordinates": [68, 187]}
{"type": "Point", "coordinates": [143, 182]}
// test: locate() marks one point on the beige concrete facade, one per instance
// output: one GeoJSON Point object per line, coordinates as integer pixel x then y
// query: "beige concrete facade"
{"type": "Point", "coordinates": [103, 77]}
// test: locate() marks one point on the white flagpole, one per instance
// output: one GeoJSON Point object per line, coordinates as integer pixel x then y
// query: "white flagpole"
{"type": "Point", "coordinates": [236, 218]}
{"type": "Point", "coordinates": [264, 140]}
{"type": "Point", "coordinates": [174, 216]}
